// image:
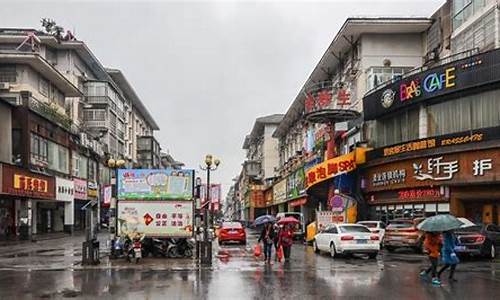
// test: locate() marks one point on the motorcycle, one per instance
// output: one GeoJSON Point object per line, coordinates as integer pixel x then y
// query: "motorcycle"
{"type": "Point", "coordinates": [134, 250]}
{"type": "Point", "coordinates": [185, 247]}
{"type": "Point", "coordinates": [118, 246]}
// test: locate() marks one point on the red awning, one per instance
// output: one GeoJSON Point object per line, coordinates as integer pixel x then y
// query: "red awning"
{"type": "Point", "coordinates": [298, 202]}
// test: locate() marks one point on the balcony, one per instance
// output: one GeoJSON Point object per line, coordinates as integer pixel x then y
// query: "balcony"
{"type": "Point", "coordinates": [52, 113]}
{"type": "Point", "coordinates": [329, 102]}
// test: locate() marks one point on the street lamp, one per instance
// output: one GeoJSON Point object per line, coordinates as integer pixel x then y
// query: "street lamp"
{"type": "Point", "coordinates": [113, 230]}
{"type": "Point", "coordinates": [211, 164]}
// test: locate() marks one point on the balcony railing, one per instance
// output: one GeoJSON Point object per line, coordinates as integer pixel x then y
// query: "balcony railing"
{"type": "Point", "coordinates": [52, 113]}
{"type": "Point", "coordinates": [96, 124]}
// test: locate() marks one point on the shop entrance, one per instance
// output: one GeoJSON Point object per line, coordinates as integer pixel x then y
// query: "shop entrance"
{"type": "Point", "coordinates": [482, 211]}
{"type": "Point", "coordinates": [7, 225]}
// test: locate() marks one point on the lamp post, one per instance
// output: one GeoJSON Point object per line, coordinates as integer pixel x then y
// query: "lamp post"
{"type": "Point", "coordinates": [211, 164]}
{"type": "Point", "coordinates": [113, 226]}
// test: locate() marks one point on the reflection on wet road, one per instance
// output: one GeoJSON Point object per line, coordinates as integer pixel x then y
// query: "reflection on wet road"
{"type": "Point", "coordinates": [236, 274]}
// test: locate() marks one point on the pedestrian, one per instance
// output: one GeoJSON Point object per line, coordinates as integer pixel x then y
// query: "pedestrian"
{"type": "Point", "coordinates": [267, 238]}
{"type": "Point", "coordinates": [277, 230]}
{"type": "Point", "coordinates": [286, 240]}
{"type": "Point", "coordinates": [432, 244]}
{"type": "Point", "coordinates": [448, 255]}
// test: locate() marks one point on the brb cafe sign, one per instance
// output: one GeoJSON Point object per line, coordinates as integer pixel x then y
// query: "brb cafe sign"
{"type": "Point", "coordinates": [331, 168]}
{"type": "Point", "coordinates": [22, 183]}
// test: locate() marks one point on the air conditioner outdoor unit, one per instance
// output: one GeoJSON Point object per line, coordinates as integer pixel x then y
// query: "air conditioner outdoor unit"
{"type": "Point", "coordinates": [4, 85]}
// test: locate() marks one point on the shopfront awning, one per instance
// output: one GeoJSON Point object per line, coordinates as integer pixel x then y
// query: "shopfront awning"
{"type": "Point", "coordinates": [298, 202]}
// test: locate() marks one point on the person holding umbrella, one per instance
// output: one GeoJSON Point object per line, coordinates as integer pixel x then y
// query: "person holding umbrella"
{"type": "Point", "coordinates": [448, 255]}
{"type": "Point", "coordinates": [286, 235]}
{"type": "Point", "coordinates": [433, 226]}
{"type": "Point", "coordinates": [267, 236]}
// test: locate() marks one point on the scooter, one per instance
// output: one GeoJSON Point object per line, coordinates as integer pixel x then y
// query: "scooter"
{"type": "Point", "coordinates": [135, 249]}
{"type": "Point", "coordinates": [185, 247]}
{"type": "Point", "coordinates": [118, 247]}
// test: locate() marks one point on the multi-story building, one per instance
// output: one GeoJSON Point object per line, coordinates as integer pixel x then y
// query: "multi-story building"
{"type": "Point", "coordinates": [140, 125]}
{"type": "Point", "coordinates": [168, 162]}
{"type": "Point", "coordinates": [148, 152]}
{"type": "Point", "coordinates": [324, 121]}
{"type": "Point", "coordinates": [259, 168]}
{"type": "Point", "coordinates": [63, 116]}
{"type": "Point", "coordinates": [437, 142]}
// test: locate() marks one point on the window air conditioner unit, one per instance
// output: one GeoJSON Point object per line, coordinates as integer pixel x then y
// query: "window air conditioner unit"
{"type": "Point", "coordinates": [4, 85]}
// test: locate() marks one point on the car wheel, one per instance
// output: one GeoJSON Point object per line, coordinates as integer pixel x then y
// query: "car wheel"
{"type": "Point", "coordinates": [333, 252]}
{"type": "Point", "coordinates": [373, 255]}
{"type": "Point", "coordinates": [244, 243]}
{"type": "Point", "coordinates": [315, 247]}
{"type": "Point", "coordinates": [390, 249]}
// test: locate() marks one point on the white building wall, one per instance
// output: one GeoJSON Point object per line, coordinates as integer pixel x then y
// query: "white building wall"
{"type": "Point", "coordinates": [271, 152]}
{"type": "Point", "coordinates": [403, 50]}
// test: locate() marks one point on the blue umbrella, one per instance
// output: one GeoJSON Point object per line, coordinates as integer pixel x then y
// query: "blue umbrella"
{"type": "Point", "coordinates": [264, 219]}
{"type": "Point", "coordinates": [440, 223]}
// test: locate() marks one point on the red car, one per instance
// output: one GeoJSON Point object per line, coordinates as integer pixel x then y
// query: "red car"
{"type": "Point", "coordinates": [232, 232]}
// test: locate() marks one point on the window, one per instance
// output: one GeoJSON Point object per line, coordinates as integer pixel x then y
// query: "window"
{"type": "Point", "coordinates": [79, 166]}
{"type": "Point", "coordinates": [479, 35]}
{"type": "Point", "coordinates": [464, 10]}
{"type": "Point", "coordinates": [58, 158]}
{"type": "Point", "coordinates": [43, 87]}
{"type": "Point", "coordinates": [92, 170]}
{"type": "Point", "coordinates": [378, 75]}
{"type": "Point", "coordinates": [94, 115]}
{"type": "Point", "coordinates": [467, 113]}
{"type": "Point", "coordinates": [8, 74]}
{"type": "Point", "coordinates": [39, 149]}
{"type": "Point", "coordinates": [396, 129]}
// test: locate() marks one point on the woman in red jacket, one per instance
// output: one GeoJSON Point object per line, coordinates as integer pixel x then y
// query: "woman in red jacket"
{"type": "Point", "coordinates": [286, 240]}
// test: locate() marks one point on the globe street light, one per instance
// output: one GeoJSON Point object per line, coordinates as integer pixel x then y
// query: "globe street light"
{"type": "Point", "coordinates": [114, 165]}
{"type": "Point", "coordinates": [211, 164]}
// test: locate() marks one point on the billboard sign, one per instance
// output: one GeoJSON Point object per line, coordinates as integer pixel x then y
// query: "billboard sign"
{"type": "Point", "coordinates": [64, 189]}
{"type": "Point", "coordinates": [156, 218]}
{"type": "Point", "coordinates": [155, 184]}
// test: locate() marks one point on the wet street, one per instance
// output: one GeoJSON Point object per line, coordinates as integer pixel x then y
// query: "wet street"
{"type": "Point", "coordinates": [236, 274]}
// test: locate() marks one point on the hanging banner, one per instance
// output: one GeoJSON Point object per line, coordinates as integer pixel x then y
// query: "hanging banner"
{"type": "Point", "coordinates": [151, 184]}
{"type": "Point", "coordinates": [64, 189]}
{"type": "Point", "coordinates": [331, 168]}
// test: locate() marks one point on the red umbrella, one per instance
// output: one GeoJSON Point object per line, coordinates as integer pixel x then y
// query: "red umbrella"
{"type": "Point", "coordinates": [288, 220]}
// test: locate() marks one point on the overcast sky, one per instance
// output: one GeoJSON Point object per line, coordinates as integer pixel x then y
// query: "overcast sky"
{"type": "Point", "coordinates": [206, 70]}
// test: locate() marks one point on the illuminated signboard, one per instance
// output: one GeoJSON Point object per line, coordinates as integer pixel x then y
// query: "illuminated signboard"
{"type": "Point", "coordinates": [460, 75]}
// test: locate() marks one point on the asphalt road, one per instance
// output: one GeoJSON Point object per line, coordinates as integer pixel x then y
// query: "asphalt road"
{"type": "Point", "coordinates": [51, 271]}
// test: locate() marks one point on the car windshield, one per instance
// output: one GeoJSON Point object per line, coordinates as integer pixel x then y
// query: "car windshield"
{"type": "Point", "coordinates": [231, 225]}
{"type": "Point", "coordinates": [401, 224]}
{"type": "Point", "coordinates": [369, 224]}
{"type": "Point", "coordinates": [353, 229]}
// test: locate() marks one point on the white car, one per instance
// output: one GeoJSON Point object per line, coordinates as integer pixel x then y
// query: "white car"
{"type": "Point", "coordinates": [347, 239]}
{"type": "Point", "coordinates": [377, 227]}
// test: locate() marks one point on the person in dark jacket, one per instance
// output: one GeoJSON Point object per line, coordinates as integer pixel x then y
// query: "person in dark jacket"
{"type": "Point", "coordinates": [448, 255]}
{"type": "Point", "coordinates": [267, 236]}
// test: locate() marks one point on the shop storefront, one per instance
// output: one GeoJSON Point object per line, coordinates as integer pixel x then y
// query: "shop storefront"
{"type": "Point", "coordinates": [465, 183]}
{"type": "Point", "coordinates": [80, 200]}
{"type": "Point", "coordinates": [279, 196]}
{"type": "Point", "coordinates": [24, 197]}
{"type": "Point", "coordinates": [65, 197]}
{"type": "Point", "coordinates": [437, 139]}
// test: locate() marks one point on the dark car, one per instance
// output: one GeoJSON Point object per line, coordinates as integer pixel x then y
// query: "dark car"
{"type": "Point", "coordinates": [403, 233]}
{"type": "Point", "coordinates": [482, 240]}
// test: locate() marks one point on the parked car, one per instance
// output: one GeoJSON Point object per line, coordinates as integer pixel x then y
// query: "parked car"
{"type": "Point", "coordinates": [232, 232]}
{"type": "Point", "coordinates": [377, 227]}
{"type": "Point", "coordinates": [347, 239]}
{"type": "Point", "coordinates": [482, 240]}
{"type": "Point", "coordinates": [300, 229]}
{"type": "Point", "coordinates": [403, 233]}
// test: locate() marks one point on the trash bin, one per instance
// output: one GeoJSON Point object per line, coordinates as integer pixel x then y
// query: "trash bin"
{"type": "Point", "coordinates": [24, 232]}
{"type": "Point", "coordinates": [90, 252]}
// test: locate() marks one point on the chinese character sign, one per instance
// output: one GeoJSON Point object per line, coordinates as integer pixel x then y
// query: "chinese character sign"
{"type": "Point", "coordinates": [159, 184]}
{"type": "Point", "coordinates": [156, 218]}
{"type": "Point", "coordinates": [331, 168]}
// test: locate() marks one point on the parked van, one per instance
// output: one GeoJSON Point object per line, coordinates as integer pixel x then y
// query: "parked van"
{"type": "Point", "coordinates": [300, 229]}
